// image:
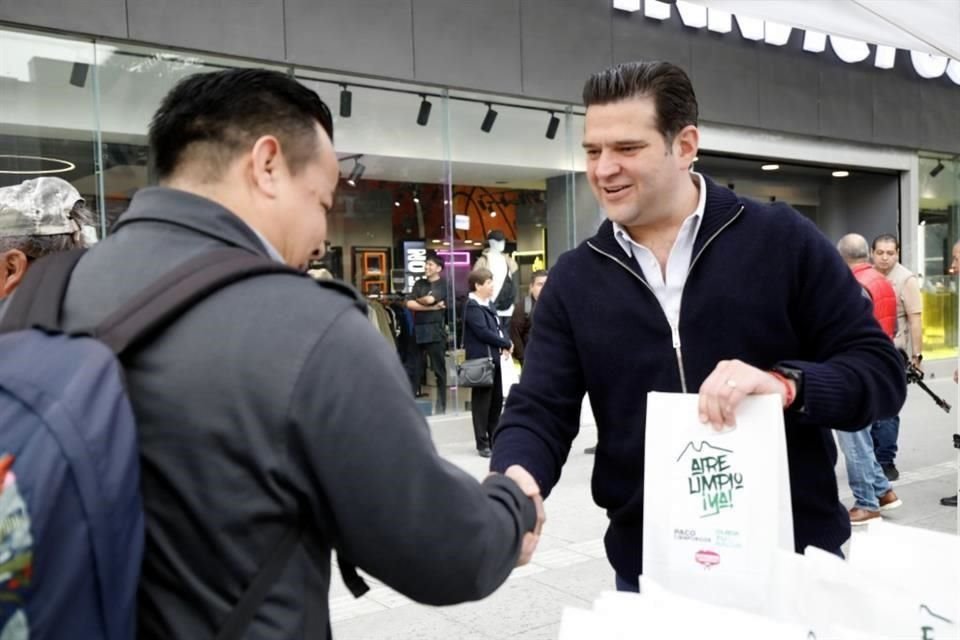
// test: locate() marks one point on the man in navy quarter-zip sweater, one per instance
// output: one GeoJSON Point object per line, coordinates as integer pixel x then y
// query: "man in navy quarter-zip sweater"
{"type": "Point", "coordinates": [689, 288]}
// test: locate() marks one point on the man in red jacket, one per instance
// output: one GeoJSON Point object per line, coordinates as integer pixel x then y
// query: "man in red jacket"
{"type": "Point", "coordinates": [872, 492]}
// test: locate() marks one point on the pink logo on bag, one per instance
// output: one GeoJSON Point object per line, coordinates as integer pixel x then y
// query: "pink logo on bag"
{"type": "Point", "coordinates": [707, 558]}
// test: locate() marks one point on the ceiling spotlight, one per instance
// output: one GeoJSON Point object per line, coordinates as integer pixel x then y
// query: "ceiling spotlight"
{"type": "Point", "coordinates": [346, 102]}
{"type": "Point", "coordinates": [396, 203]}
{"type": "Point", "coordinates": [488, 119]}
{"type": "Point", "coordinates": [446, 244]}
{"type": "Point", "coordinates": [552, 126]}
{"type": "Point", "coordinates": [770, 167]}
{"type": "Point", "coordinates": [435, 241]}
{"type": "Point", "coordinates": [493, 214]}
{"type": "Point", "coordinates": [423, 116]}
{"type": "Point", "coordinates": [416, 198]}
{"type": "Point", "coordinates": [356, 173]}
{"type": "Point", "coordinates": [840, 174]}
{"type": "Point", "coordinates": [937, 169]}
{"type": "Point", "coordinates": [445, 201]}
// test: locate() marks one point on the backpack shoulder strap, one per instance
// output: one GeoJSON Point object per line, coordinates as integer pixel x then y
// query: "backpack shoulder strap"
{"type": "Point", "coordinates": [40, 296]}
{"type": "Point", "coordinates": [242, 614]}
{"type": "Point", "coordinates": [162, 302]}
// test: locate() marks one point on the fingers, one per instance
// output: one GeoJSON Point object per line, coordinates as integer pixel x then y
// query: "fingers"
{"type": "Point", "coordinates": [523, 479]}
{"type": "Point", "coordinates": [530, 488]}
{"type": "Point", "coordinates": [530, 540]}
{"type": "Point", "coordinates": [726, 387]}
{"type": "Point", "coordinates": [720, 394]}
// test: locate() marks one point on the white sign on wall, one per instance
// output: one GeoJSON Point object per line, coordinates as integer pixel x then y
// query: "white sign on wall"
{"type": "Point", "coordinates": [414, 261]}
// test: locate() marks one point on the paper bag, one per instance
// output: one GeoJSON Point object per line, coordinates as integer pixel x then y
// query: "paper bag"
{"type": "Point", "coordinates": [508, 374]}
{"type": "Point", "coordinates": [716, 505]}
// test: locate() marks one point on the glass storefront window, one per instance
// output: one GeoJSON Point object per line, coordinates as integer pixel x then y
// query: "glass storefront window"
{"type": "Point", "coordinates": [510, 165]}
{"type": "Point", "coordinates": [392, 203]}
{"type": "Point", "coordinates": [132, 81]}
{"type": "Point", "coordinates": [939, 230]}
{"type": "Point", "coordinates": [48, 117]}
{"type": "Point", "coordinates": [419, 176]}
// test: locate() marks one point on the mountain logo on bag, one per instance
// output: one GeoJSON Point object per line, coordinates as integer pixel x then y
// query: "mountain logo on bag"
{"type": "Point", "coordinates": [707, 558]}
{"type": "Point", "coordinates": [711, 478]}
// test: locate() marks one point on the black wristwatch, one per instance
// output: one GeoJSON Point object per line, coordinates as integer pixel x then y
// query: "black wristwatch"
{"type": "Point", "coordinates": [797, 376]}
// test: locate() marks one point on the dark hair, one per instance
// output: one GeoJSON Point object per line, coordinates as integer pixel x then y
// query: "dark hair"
{"type": "Point", "coordinates": [542, 273]}
{"type": "Point", "coordinates": [477, 277]}
{"type": "Point", "coordinates": [666, 83]}
{"type": "Point", "coordinates": [885, 237]}
{"type": "Point", "coordinates": [217, 115]}
{"type": "Point", "coordinates": [435, 259]}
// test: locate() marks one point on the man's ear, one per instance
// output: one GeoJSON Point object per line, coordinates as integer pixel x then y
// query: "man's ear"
{"type": "Point", "coordinates": [686, 144]}
{"type": "Point", "coordinates": [266, 158]}
{"type": "Point", "coordinates": [13, 267]}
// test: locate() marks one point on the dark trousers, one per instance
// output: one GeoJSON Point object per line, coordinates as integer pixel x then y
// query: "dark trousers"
{"type": "Point", "coordinates": [485, 406]}
{"type": "Point", "coordinates": [435, 353]}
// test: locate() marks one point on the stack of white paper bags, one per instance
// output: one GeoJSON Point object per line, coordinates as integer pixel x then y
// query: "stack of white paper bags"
{"type": "Point", "coordinates": [899, 582]}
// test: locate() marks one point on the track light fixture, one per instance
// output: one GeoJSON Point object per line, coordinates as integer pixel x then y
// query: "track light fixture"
{"type": "Point", "coordinates": [78, 74]}
{"type": "Point", "coordinates": [937, 169]}
{"type": "Point", "coordinates": [346, 102]}
{"type": "Point", "coordinates": [423, 116]}
{"type": "Point", "coordinates": [552, 126]}
{"type": "Point", "coordinates": [356, 173]}
{"type": "Point", "coordinates": [488, 119]}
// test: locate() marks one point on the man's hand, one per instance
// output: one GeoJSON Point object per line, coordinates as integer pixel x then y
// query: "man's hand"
{"type": "Point", "coordinates": [725, 388]}
{"type": "Point", "coordinates": [529, 487]}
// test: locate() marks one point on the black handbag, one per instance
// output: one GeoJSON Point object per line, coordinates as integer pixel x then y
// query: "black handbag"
{"type": "Point", "coordinates": [476, 372]}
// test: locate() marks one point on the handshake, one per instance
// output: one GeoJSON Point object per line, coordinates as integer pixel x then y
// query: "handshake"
{"type": "Point", "coordinates": [529, 487]}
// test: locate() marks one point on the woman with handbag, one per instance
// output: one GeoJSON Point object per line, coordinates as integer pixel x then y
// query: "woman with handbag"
{"type": "Point", "coordinates": [483, 339]}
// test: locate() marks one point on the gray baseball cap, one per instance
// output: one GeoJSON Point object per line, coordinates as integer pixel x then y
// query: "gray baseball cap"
{"type": "Point", "coordinates": [38, 207]}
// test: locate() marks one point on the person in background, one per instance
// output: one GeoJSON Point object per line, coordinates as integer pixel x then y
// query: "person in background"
{"type": "Point", "coordinates": [871, 489]}
{"type": "Point", "coordinates": [522, 321]}
{"type": "Point", "coordinates": [428, 301]}
{"type": "Point", "coordinates": [909, 337]}
{"type": "Point", "coordinates": [39, 217]}
{"type": "Point", "coordinates": [482, 338]}
{"type": "Point", "coordinates": [951, 501]}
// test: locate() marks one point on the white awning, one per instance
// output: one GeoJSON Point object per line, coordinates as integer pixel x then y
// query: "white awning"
{"type": "Point", "coordinates": [930, 26]}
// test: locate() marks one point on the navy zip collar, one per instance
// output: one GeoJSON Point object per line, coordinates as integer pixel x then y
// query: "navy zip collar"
{"type": "Point", "coordinates": [721, 207]}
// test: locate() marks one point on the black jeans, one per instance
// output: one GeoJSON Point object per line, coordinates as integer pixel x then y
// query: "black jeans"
{"type": "Point", "coordinates": [485, 406]}
{"type": "Point", "coordinates": [435, 353]}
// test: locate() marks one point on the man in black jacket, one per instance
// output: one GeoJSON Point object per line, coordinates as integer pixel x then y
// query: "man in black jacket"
{"type": "Point", "coordinates": [274, 406]}
{"type": "Point", "coordinates": [428, 301]}
{"type": "Point", "coordinates": [688, 288]}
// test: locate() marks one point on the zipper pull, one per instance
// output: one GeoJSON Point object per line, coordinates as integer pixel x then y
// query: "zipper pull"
{"type": "Point", "coordinates": [675, 330]}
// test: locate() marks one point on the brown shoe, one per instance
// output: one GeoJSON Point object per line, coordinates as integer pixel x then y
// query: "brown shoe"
{"type": "Point", "coordinates": [889, 501]}
{"type": "Point", "coordinates": [860, 516]}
